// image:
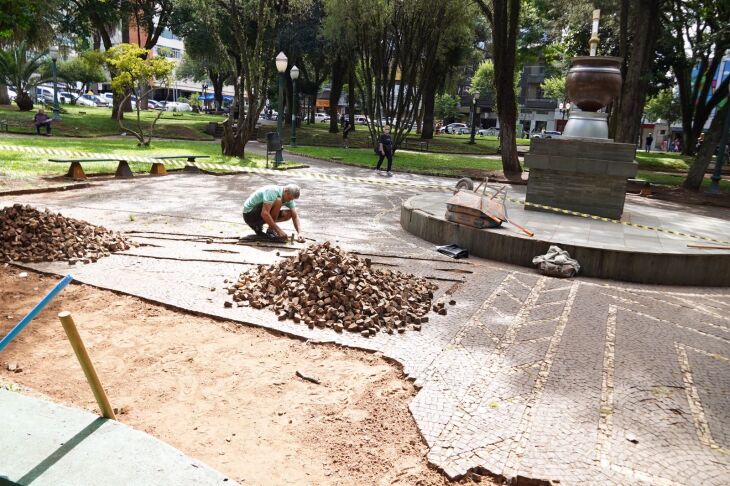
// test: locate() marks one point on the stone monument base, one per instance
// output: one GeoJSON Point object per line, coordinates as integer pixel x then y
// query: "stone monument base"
{"type": "Point", "coordinates": [583, 175]}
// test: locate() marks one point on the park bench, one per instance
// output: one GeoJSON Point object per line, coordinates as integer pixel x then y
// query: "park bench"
{"type": "Point", "coordinates": [123, 171]}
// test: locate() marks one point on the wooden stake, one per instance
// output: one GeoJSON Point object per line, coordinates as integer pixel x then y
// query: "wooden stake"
{"type": "Point", "coordinates": [710, 247]}
{"type": "Point", "coordinates": [78, 345]}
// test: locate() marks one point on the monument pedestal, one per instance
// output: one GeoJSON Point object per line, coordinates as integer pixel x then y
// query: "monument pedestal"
{"type": "Point", "coordinates": [583, 175]}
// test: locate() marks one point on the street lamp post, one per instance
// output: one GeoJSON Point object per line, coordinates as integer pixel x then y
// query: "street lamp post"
{"type": "Point", "coordinates": [564, 108]}
{"type": "Point", "coordinates": [281, 63]}
{"type": "Point", "coordinates": [205, 97]}
{"type": "Point", "coordinates": [53, 51]}
{"type": "Point", "coordinates": [474, 117]}
{"type": "Point", "coordinates": [294, 73]}
{"type": "Point", "coordinates": [717, 174]}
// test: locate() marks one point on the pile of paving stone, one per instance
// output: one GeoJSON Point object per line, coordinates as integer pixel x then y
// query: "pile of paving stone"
{"type": "Point", "coordinates": [29, 235]}
{"type": "Point", "coordinates": [324, 286]}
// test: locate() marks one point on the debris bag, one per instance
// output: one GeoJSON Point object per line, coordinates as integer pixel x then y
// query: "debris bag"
{"type": "Point", "coordinates": [557, 263]}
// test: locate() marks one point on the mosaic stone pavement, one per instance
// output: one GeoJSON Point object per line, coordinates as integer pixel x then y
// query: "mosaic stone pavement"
{"type": "Point", "coordinates": [571, 381]}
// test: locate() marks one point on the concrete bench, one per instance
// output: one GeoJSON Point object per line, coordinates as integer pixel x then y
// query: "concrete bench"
{"type": "Point", "coordinates": [158, 168]}
{"type": "Point", "coordinates": [123, 171]}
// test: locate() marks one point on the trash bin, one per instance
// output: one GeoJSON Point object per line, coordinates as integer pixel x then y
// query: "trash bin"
{"type": "Point", "coordinates": [273, 144]}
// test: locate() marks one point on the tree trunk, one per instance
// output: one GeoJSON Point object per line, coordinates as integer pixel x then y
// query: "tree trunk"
{"type": "Point", "coordinates": [351, 97]}
{"type": "Point", "coordinates": [644, 26]}
{"type": "Point", "coordinates": [24, 101]}
{"type": "Point", "coordinates": [696, 173]}
{"type": "Point", "coordinates": [217, 81]}
{"type": "Point", "coordinates": [233, 143]}
{"type": "Point", "coordinates": [338, 81]}
{"type": "Point", "coordinates": [429, 105]}
{"type": "Point", "coordinates": [4, 96]}
{"type": "Point", "coordinates": [504, 34]}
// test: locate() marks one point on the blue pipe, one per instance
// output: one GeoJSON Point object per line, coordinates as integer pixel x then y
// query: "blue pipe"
{"type": "Point", "coordinates": [34, 312]}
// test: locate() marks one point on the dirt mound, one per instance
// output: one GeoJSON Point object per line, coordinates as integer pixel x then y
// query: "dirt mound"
{"type": "Point", "coordinates": [325, 286]}
{"type": "Point", "coordinates": [29, 235]}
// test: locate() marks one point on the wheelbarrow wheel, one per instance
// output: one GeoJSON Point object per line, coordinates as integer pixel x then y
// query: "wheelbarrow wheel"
{"type": "Point", "coordinates": [465, 183]}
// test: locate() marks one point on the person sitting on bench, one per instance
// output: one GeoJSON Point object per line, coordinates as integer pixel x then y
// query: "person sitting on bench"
{"type": "Point", "coordinates": [272, 205]}
{"type": "Point", "coordinates": [40, 119]}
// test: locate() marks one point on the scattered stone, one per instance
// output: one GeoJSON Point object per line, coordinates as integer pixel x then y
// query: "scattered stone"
{"type": "Point", "coordinates": [228, 304]}
{"type": "Point", "coordinates": [452, 302]}
{"type": "Point", "coordinates": [28, 235]}
{"type": "Point", "coordinates": [14, 367]}
{"type": "Point", "coordinates": [23, 274]}
{"type": "Point", "coordinates": [326, 287]}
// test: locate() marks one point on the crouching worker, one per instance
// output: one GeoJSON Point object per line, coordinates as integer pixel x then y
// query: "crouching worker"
{"type": "Point", "coordinates": [42, 120]}
{"type": "Point", "coordinates": [271, 205]}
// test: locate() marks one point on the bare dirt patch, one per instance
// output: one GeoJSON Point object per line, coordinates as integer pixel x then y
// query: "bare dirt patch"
{"type": "Point", "coordinates": [222, 392]}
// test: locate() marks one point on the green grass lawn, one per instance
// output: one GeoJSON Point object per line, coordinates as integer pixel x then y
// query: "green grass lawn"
{"type": "Point", "coordinates": [19, 164]}
{"type": "Point", "coordinates": [663, 161]}
{"type": "Point", "coordinates": [405, 160]}
{"type": "Point", "coordinates": [94, 122]}
{"type": "Point", "coordinates": [317, 134]}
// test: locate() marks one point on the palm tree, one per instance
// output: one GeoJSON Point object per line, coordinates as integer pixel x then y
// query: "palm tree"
{"type": "Point", "coordinates": [18, 70]}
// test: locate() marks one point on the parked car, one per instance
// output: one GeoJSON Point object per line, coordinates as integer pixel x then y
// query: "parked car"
{"type": "Point", "coordinates": [321, 117]}
{"type": "Point", "coordinates": [12, 94]}
{"type": "Point", "coordinates": [177, 106]}
{"type": "Point", "coordinates": [548, 134]}
{"type": "Point", "coordinates": [458, 128]}
{"type": "Point", "coordinates": [100, 100]}
{"type": "Point", "coordinates": [361, 120]}
{"type": "Point", "coordinates": [86, 100]}
{"type": "Point", "coordinates": [488, 132]}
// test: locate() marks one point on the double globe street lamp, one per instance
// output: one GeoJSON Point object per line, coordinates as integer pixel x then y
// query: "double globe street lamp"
{"type": "Point", "coordinates": [53, 51]}
{"type": "Point", "coordinates": [281, 64]}
{"type": "Point", "coordinates": [294, 73]}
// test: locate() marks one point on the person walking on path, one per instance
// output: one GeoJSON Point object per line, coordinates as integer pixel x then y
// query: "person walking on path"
{"type": "Point", "coordinates": [271, 205]}
{"type": "Point", "coordinates": [649, 140]}
{"type": "Point", "coordinates": [385, 149]}
{"type": "Point", "coordinates": [346, 129]}
{"type": "Point", "coordinates": [41, 119]}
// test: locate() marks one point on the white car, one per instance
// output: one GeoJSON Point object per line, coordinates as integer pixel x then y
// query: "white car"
{"type": "Point", "coordinates": [548, 134]}
{"type": "Point", "coordinates": [12, 94]}
{"type": "Point", "coordinates": [460, 128]}
{"type": "Point", "coordinates": [321, 117]}
{"type": "Point", "coordinates": [86, 100]}
{"type": "Point", "coordinates": [361, 120]}
{"type": "Point", "coordinates": [177, 106]}
{"type": "Point", "coordinates": [488, 132]}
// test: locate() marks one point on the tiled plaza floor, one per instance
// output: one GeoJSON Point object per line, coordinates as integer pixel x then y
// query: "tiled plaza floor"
{"type": "Point", "coordinates": [578, 381]}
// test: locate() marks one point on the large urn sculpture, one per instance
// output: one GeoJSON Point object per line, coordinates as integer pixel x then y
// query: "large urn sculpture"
{"type": "Point", "coordinates": [592, 83]}
{"type": "Point", "coordinates": [583, 171]}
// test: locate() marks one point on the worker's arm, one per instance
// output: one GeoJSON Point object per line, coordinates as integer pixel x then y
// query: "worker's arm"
{"type": "Point", "coordinates": [295, 221]}
{"type": "Point", "coordinates": [266, 216]}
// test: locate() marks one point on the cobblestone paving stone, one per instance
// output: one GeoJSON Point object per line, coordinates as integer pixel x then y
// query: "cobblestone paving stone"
{"type": "Point", "coordinates": [578, 381]}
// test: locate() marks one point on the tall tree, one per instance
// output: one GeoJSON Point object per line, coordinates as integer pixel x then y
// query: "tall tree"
{"type": "Point", "coordinates": [698, 37]}
{"type": "Point", "coordinates": [640, 27]}
{"type": "Point", "coordinates": [248, 31]}
{"type": "Point", "coordinates": [504, 18]}
{"type": "Point", "coordinates": [395, 49]}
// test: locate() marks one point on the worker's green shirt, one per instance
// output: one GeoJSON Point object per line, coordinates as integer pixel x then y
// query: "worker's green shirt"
{"type": "Point", "coordinates": [266, 195]}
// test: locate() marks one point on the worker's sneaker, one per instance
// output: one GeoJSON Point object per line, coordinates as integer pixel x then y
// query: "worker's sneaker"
{"type": "Point", "coordinates": [259, 230]}
{"type": "Point", "coordinates": [389, 174]}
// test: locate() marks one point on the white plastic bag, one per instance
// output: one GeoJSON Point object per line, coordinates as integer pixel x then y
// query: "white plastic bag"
{"type": "Point", "coordinates": [556, 263]}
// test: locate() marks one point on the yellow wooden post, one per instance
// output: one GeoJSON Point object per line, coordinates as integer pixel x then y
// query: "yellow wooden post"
{"type": "Point", "coordinates": [89, 371]}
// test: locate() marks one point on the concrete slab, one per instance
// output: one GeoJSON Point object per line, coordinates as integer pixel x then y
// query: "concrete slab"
{"type": "Point", "coordinates": [44, 443]}
{"type": "Point", "coordinates": [604, 249]}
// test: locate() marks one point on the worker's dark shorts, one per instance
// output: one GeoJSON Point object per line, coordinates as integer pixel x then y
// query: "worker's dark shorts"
{"type": "Point", "coordinates": [254, 219]}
